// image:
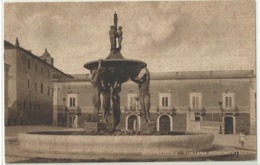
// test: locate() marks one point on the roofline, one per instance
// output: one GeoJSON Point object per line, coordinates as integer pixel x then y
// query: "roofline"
{"type": "Point", "coordinates": [38, 58]}
{"type": "Point", "coordinates": [71, 80]}
{"type": "Point", "coordinates": [152, 79]}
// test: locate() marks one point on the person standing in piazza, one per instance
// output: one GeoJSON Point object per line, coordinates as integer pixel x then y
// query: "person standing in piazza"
{"type": "Point", "coordinates": [242, 138]}
{"type": "Point", "coordinates": [95, 80]}
{"type": "Point", "coordinates": [144, 94]}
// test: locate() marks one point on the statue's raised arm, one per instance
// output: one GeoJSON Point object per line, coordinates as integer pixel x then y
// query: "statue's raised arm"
{"type": "Point", "coordinates": [148, 73]}
{"type": "Point", "coordinates": [137, 80]}
{"type": "Point", "coordinates": [95, 73]}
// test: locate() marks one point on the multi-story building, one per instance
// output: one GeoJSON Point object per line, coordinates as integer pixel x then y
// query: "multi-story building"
{"type": "Point", "coordinates": [204, 101]}
{"type": "Point", "coordinates": [6, 78]}
{"type": "Point", "coordinates": [29, 89]}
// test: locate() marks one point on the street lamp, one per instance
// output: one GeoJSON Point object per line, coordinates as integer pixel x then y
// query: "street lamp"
{"type": "Point", "coordinates": [221, 108]}
{"type": "Point", "coordinates": [63, 112]}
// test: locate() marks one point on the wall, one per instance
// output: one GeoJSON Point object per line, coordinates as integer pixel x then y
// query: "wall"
{"type": "Point", "coordinates": [10, 57]}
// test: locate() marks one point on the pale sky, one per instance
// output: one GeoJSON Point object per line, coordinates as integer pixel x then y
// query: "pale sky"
{"type": "Point", "coordinates": [168, 36]}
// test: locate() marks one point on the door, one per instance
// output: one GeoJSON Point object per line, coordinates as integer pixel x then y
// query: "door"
{"type": "Point", "coordinates": [165, 123]}
{"type": "Point", "coordinates": [132, 122]}
{"type": "Point", "coordinates": [72, 121]}
{"type": "Point", "coordinates": [229, 125]}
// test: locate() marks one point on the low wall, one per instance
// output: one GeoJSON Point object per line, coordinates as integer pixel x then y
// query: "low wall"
{"type": "Point", "coordinates": [113, 145]}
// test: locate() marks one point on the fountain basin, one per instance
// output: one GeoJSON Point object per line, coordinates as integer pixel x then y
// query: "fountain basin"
{"type": "Point", "coordinates": [117, 69]}
{"type": "Point", "coordinates": [120, 146]}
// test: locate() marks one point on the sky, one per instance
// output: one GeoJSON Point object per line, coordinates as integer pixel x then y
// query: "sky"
{"type": "Point", "coordinates": [168, 36]}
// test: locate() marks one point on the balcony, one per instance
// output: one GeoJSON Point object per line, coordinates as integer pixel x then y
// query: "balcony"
{"type": "Point", "coordinates": [166, 110]}
{"type": "Point", "coordinates": [198, 110]}
{"type": "Point", "coordinates": [73, 110]}
{"type": "Point", "coordinates": [132, 110]}
{"type": "Point", "coordinates": [229, 111]}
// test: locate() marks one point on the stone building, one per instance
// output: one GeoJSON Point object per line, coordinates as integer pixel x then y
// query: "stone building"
{"type": "Point", "coordinates": [6, 78]}
{"type": "Point", "coordinates": [204, 101]}
{"type": "Point", "coordinates": [29, 92]}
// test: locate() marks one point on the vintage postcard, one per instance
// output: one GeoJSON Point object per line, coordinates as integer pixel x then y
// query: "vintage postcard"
{"type": "Point", "coordinates": [162, 81]}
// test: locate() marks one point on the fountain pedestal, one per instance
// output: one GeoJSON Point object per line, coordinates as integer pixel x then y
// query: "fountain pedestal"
{"type": "Point", "coordinates": [148, 128]}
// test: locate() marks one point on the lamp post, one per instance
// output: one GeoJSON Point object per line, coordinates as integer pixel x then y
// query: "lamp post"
{"type": "Point", "coordinates": [63, 112]}
{"type": "Point", "coordinates": [220, 126]}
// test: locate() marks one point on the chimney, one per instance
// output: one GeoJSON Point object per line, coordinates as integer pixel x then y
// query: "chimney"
{"type": "Point", "coordinates": [17, 44]}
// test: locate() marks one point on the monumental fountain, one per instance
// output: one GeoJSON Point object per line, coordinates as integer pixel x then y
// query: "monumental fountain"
{"type": "Point", "coordinates": [107, 75]}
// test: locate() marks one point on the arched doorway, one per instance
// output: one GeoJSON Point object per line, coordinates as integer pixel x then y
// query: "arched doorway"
{"type": "Point", "coordinates": [165, 123]}
{"type": "Point", "coordinates": [133, 123]}
{"type": "Point", "coordinates": [72, 120]}
{"type": "Point", "coordinates": [229, 125]}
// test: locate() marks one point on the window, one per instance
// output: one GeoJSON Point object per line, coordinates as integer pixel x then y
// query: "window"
{"type": "Point", "coordinates": [35, 86]}
{"type": "Point", "coordinates": [198, 118]}
{"type": "Point", "coordinates": [29, 63]}
{"type": "Point", "coordinates": [228, 100]}
{"type": "Point", "coordinates": [195, 100]}
{"type": "Point", "coordinates": [36, 67]}
{"type": "Point", "coordinates": [30, 105]}
{"type": "Point", "coordinates": [72, 100]}
{"type": "Point", "coordinates": [48, 90]}
{"type": "Point", "coordinates": [132, 101]}
{"type": "Point", "coordinates": [165, 99]}
{"type": "Point", "coordinates": [165, 102]}
{"type": "Point", "coordinates": [41, 88]}
{"type": "Point", "coordinates": [28, 83]}
{"type": "Point", "coordinates": [41, 70]}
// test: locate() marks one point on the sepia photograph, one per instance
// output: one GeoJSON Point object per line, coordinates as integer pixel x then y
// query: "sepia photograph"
{"type": "Point", "coordinates": [129, 81]}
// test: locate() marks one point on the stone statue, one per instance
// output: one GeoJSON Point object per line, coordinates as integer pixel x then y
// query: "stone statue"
{"type": "Point", "coordinates": [105, 90]}
{"type": "Point", "coordinates": [144, 95]}
{"type": "Point", "coordinates": [116, 89]}
{"type": "Point", "coordinates": [120, 36]}
{"type": "Point", "coordinates": [95, 80]}
{"type": "Point", "coordinates": [112, 35]}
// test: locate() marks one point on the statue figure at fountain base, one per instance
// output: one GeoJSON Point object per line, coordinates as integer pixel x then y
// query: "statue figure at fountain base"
{"type": "Point", "coordinates": [116, 89]}
{"type": "Point", "coordinates": [105, 90]}
{"type": "Point", "coordinates": [95, 80]}
{"type": "Point", "coordinates": [144, 95]}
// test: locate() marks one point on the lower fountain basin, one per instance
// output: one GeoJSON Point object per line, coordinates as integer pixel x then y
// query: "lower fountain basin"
{"type": "Point", "coordinates": [113, 145]}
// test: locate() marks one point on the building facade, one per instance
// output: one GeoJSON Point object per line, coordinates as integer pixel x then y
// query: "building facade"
{"type": "Point", "coordinates": [29, 91]}
{"type": "Point", "coordinates": [219, 102]}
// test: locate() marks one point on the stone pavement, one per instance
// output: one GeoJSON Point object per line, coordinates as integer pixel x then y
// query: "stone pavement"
{"type": "Point", "coordinates": [232, 141]}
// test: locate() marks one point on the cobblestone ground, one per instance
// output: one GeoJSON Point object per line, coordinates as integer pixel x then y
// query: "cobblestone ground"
{"type": "Point", "coordinates": [222, 143]}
